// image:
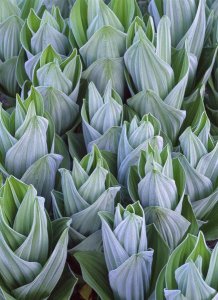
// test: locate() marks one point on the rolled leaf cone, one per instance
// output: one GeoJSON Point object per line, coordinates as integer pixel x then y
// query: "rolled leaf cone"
{"type": "Point", "coordinates": [98, 30]}
{"type": "Point", "coordinates": [135, 136]}
{"type": "Point", "coordinates": [27, 145]}
{"type": "Point", "coordinates": [188, 24]}
{"type": "Point", "coordinates": [34, 250]}
{"type": "Point", "coordinates": [10, 45]}
{"type": "Point", "coordinates": [88, 189]}
{"type": "Point", "coordinates": [57, 79]}
{"type": "Point", "coordinates": [36, 35]}
{"type": "Point", "coordinates": [200, 165]}
{"type": "Point", "coordinates": [102, 117]}
{"type": "Point", "coordinates": [158, 182]}
{"type": "Point", "coordinates": [64, 6]}
{"type": "Point", "coordinates": [157, 74]}
{"type": "Point", "coordinates": [190, 272]}
{"type": "Point", "coordinates": [129, 261]}
{"type": "Point", "coordinates": [212, 97]}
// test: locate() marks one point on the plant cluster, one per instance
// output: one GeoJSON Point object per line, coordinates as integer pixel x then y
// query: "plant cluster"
{"type": "Point", "coordinates": [109, 149]}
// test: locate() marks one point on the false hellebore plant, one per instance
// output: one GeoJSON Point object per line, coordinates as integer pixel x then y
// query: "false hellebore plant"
{"type": "Point", "coordinates": [212, 97]}
{"type": "Point", "coordinates": [188, 23]}
{"type": "Point", "coordinates": [38, 32]}
{"type": "Point", "coordinates": [191, 272]}
{"type": "Point", "coordinates": [58, 79]}
{"type": "Point", "coordinates": [28, 143]}
{"type": "Point", "coordinates": [157, 74]}
{"type": "Point", "coordinates": [201, 169]}
{"type": "Point", "coordinates": [33, 249]}
{"type": "Point", "coordinates": [99, 34]}
{"type": "Point", "coordinates": [102, 117]}
{"type": "Point", "coordinates": [88, 189]}
{"type": "Point", "coordinates": [133, 267]}
{"type": "Point", "coordinates": [135, 136]}
{"type": "Point", "coordinates": [10, 27]}
{"type": "Point", "coordinates": [158, 182]}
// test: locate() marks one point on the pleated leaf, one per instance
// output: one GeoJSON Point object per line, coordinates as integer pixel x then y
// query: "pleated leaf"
{"type": "Point", "coordinates": [212, 269]}
{"type": "Point", "coordinates": [171, 119]}
{"type": "Point", "coordinates": [62, 109]}
{"type": "Point", "coordinates": [207, 166]}
{"type": "Point", "coordinates": [8, 76]}
{"type": "Point", "coordinates": [73, 202]}
{"type": "Point", "coordinates": [104, 70]}
{"type": "Point", "coordinates": [8, 8]}
{"type": "Point", "coordinates": [104, 203]}
{"type": "Point", "coordinates": [126, 11]}
{"type": "Point", "coordinates": [131, 280]}
{"type": "Point", "coordinates": [31, 147]}
{"type": "Point", "coordinates": [155, 189]}
{"type": "Point", "coordinates": [10, 37]}
{"type": "Point", "coordinates": [48, 35]}
{"type": "Point", "coordinates": [94, 272]}
{"type": "Point", "coordinates": [115, 254]}
{"type": "Point", "coordinates": [35, 247]}
{"type": "Point", "coordinates": [191, 283]}
{"type": "Point", "coordinates": [171, 225]}
{"type": "Point", "coordinates": [192, 147]}
{"type": "Point", "coordinates": [44, 283]}
{"type": "Point", "coordinates": [147, 70]}
{"type": "Point", "coordinates": [164, 40]}
{"type": "Point", "coordinates": [177, 258]}
{"type": "Point", "coordinates": [16, 271]}
{"type": "Point", "coordinates": [181, 15]}
{"type": "Point", "coordinates": [101, 15]}
{"type": "Point", "coordinates": [107, 42]}
{"type": "Point", "coordinates": [196, 33]}
{"type": "Point", "coordinates": [197, 186]}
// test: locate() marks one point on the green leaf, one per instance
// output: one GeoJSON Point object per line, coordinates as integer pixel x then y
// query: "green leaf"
{"type": "Point", "coordinates": [22, 271]}
{"type": "Point", "coordinates": [105, 202]}
{"type": "Point", "coordinates": [64, 288]}
{"type": "Point", "coordinates": [44, 283]}
{"type": "Point", "coordinates": [10, 37]}
{"type": "Point", "coordinates": [191, 283]}
{"type": "Point", "coordinates": [171, 119]}
{"type": "Point", "coordinates": [192, 147]}
{"type": "Point", "coordinates": [35, 246]}
{"type": "Point", "coordinates": [196, 32]}
{"type": "Point", "coordinates": [164, 40]}
{"type": "Point", "coordinates": [42, 174]}
{"type": "Point", "coordinates": [105, 69]}
{"type": "Point", "coordinates": [95, 273]}
{"type": "Point", "coordinates": [148, 71]}
{"type": "Point", "coordinates": [181, 14]}
{"type": "Point", "coordinates": [212, 270]}
{"type": "Point", "coordinates": [78, 21]}
{"type": "Point", "coordinates": [161, 253]}
{"type": "Point", "coordinates": [31, 147]}
{"type": "Point", "coordinates": [8, 8]}
{"type": "Point", "coordinates": [156, 189]}
{"type": "Point", "coordinates": [208, 165]}
{"type": "Point", "coordinates": [60, 106]}
{"type": "Point", "coordinates": [197, 186]}
{"type": "Point", "coordinates": [178, 258]}
{"type": "Point", "coordinates": [108, 42]}
{"type": "Point", "coordinates": [8, 76]}
{"type": "Point", "coordinates": [125, 11]}
{"type": "Point", "coordinates": [188, 212]}
{"type": "Point", "coordinates": [202, 250]}
{"type": "Point", "coordinates": [128, 276]}
{"type": "Point", "coordinates": [100, 15]}
{"type": "Point", "coordinates": [171, 225]}
{"type": "Point", "coordinates": [76, 145]}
